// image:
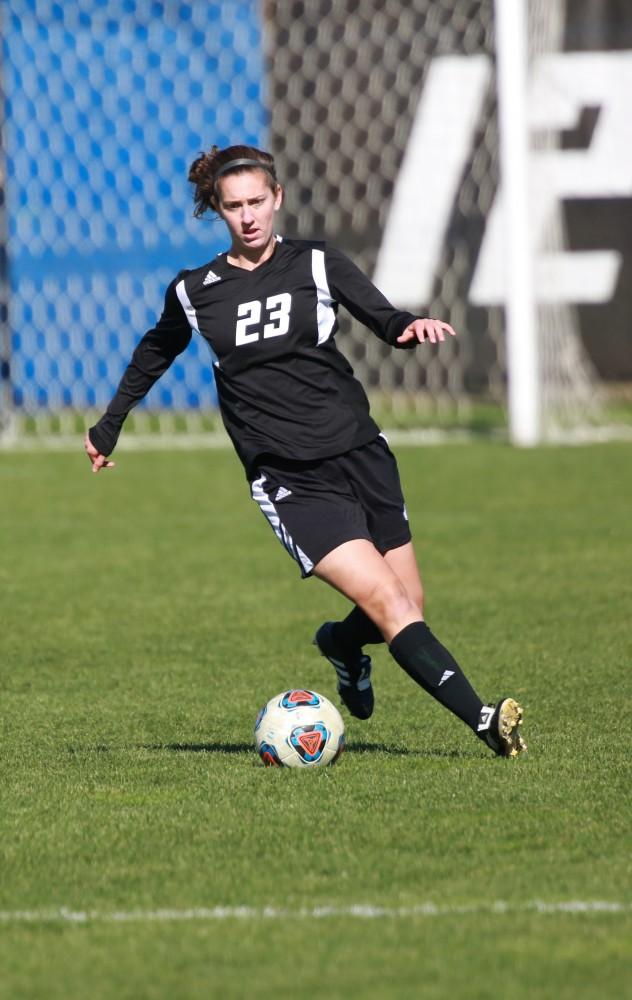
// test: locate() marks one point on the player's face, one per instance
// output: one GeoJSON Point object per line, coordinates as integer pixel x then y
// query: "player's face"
{"type": "Point", "coordinates": [247, 204]}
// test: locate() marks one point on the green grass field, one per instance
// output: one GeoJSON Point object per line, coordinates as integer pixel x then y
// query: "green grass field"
{"type": "Point", "coordinates": [149, 611]}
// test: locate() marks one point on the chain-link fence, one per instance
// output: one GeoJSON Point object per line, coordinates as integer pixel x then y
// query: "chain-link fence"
{"type": "Point", "coordinates": [106, 105]}
{"type": "Point", "coordinates": [382, 117]}
{"type": "Point", "coordinates": [347, 82]}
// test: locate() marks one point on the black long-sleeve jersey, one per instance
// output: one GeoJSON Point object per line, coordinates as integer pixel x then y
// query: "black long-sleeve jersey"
{"type": "Point", "coordinates": [284, 388]}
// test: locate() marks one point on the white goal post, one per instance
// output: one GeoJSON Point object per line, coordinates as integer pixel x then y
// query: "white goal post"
{"type": "Point", "coordinates": [523, 362]}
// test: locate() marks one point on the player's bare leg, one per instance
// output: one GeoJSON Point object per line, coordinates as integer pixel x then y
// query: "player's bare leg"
{"type": "Point", "coordinates": [341, 642]}
{"type": "Point", "coordinates": [403, 562]}
{"type": "Point", "coordinates": [358, 571]}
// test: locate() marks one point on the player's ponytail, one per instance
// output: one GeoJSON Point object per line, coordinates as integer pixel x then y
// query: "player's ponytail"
{"type": "Point", "coordinates": [206, 170]}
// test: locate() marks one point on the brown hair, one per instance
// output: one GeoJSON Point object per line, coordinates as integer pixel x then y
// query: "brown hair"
{"type": "Point", "coordinates": [204, 172]}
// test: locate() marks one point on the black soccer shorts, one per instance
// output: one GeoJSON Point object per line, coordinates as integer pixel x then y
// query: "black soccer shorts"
{"type": "Point", "coordinates": [315, 506]}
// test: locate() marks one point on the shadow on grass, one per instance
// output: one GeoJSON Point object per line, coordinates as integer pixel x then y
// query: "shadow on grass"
{"type": "Point", "coordinates": [387, 749]}
{"type": "Point", "coordinates": [399, 751]}
{"type": "Point", "coordinates": [351, 748]}
{"type": "Point", "coordinates": [199, 747]}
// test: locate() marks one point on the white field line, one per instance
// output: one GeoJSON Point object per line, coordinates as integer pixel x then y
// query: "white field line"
{"type": "Point", "coordinates": [359, 911]}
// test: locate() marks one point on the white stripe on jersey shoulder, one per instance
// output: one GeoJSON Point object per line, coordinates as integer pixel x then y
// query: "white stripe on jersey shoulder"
{"type": "Point", "coordinates": [325, 316]}
{"type": "Point", "coordinates": [185, 302]}
{"type": "Point", "coordinates": [191, 315]}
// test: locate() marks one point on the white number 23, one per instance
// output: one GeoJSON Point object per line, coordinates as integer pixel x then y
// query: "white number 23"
{"type": "Point", "coordinates": [277, 313]}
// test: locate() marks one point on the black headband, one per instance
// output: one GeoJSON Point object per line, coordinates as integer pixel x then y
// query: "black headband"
{"type": "Point", "coordinates": [243, 163]}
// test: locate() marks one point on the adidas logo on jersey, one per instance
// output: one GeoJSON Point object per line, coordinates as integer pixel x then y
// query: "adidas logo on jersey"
{"type": "Point", "coordinates": [282, 493]}
{"type": "Point", "coordinates": [211, 278]}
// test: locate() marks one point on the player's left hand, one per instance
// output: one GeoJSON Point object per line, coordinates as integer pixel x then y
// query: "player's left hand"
{"type": "Point", "coordinates": [426, 329]}
{"type": "Point", "coordinates": [97, 460]}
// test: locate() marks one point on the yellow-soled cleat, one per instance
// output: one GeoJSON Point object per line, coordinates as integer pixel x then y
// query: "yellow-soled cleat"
{"type": "Point", "coordinates": [500, 728]}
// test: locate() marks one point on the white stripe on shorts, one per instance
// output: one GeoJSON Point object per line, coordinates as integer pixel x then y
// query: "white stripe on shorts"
{"type": "Point", "coordinates": [270, 512]}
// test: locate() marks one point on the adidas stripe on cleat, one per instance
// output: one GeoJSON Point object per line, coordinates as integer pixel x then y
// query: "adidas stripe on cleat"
{"type": "Point", "coordinates": [353, 673]}
{"type": "Point", "coordinates": [499, 727]}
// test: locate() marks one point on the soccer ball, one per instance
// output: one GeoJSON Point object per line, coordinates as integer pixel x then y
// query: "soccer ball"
{"type": "Point", "coordinates": [299, 729]}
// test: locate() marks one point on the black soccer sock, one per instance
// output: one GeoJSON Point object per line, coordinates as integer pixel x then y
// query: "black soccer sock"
{"type": "Point", "coordinates": [431, 665]}
{"type": "Point", "coordinates": [357, 630]}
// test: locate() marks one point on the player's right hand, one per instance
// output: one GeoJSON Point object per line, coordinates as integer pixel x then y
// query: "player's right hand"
{"type": "Point", "coordinates": [98, 460]}
{"type": "Point", "coordinates": [433, 330]}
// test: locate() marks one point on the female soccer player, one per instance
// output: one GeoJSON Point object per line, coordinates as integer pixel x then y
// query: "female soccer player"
{"type": "Point", "coordinates": [318, 466]}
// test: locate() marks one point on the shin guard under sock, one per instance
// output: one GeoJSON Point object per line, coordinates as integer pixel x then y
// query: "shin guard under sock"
{"type": "Point", "coordinates": [430, 664]}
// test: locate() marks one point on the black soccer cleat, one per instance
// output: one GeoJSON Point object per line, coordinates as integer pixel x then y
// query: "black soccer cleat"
{"type": "Point", "coordinates": [499, 727]}
{"type": "Point", "coordinates": [353, 672]}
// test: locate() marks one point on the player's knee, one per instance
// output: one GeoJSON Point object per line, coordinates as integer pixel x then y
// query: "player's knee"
{"type": "Point", "coordinates": [388, 602]}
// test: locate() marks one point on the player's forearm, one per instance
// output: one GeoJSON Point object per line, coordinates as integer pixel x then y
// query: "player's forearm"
{"type": "Point", "coordinates": [384, 320]}
{"type": "Point", "coordinates": [150, 360]}
{"type": "Point", "coordinates": [104, 434]}
{"type": "Point", "coordinates": [133, 387]}
{"type": "Point", "coordinates": [363, 300]}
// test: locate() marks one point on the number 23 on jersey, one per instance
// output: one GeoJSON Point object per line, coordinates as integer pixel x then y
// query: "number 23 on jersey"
{"type": "Point", "coordinates": [271, 318]}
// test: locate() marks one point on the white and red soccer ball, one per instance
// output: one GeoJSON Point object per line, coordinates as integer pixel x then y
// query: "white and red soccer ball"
{"type": "Point", "coordinates": [299, 728]}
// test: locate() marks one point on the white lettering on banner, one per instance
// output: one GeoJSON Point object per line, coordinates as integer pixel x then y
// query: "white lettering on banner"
{"type": "Point", "coordinates": [440, 143]}
{"type": "Point", "coordinates": [562, 86]}
{"type": "Point", "coordinates": [426, 187]}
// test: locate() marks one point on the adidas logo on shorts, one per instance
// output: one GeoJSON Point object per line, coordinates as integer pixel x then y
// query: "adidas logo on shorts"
{"type": "Point", "coordinates": [282, 493]}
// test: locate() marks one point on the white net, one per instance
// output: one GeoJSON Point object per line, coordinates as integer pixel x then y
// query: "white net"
{"type": "Point", "coordinates": [570, 389]}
